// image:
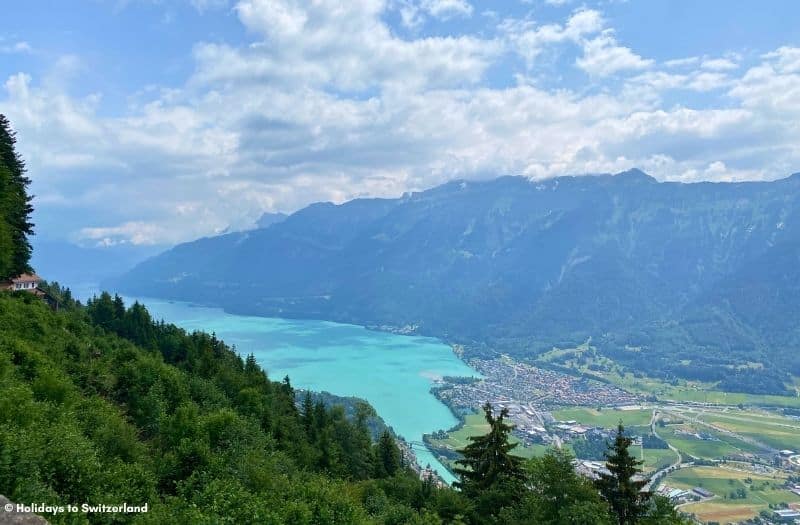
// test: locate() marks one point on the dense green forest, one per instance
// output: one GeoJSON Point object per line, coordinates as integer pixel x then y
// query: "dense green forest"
{"type": "Point", "coordinates": [15, 206]}
{"type": "Point", "coordinates": [100, 404]}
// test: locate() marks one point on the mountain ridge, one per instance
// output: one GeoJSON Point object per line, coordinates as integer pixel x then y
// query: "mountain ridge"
{"type": "Point", "coordinates": [521, 266]}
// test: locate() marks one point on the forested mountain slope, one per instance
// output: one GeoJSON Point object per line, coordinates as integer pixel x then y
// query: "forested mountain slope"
{"type": "Point", "coordinates": [101, 405]}
{"type": "Point", "coordinates": [667, 277]}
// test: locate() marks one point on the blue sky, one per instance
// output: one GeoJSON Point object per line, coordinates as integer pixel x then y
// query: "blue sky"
{"type": "Point", "coordinates": [153, 122]}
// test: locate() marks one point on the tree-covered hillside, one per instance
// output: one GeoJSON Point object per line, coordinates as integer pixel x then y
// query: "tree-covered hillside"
{"type": "Point", "coordinates": [101, 405]}
{"type": "Point", "coordinates": [687, 280]}
{"type": "Point", "coordinates": [15, 207]}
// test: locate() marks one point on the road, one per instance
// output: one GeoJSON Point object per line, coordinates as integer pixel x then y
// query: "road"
{"type": "Point", "coordinates": [655, 478]}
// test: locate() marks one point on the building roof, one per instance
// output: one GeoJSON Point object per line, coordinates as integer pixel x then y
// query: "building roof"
{"type": "Point", "coordinates": [25, 278]}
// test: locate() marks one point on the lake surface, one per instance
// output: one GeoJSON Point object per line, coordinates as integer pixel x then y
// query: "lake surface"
{"type": "Point", "coordinates": [393, 372]}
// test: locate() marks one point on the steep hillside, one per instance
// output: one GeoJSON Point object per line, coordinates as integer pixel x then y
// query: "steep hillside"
{"type": "Point", "coordinates": [693, 277]}
{"type": "Point", "coordinates": [99, 405]}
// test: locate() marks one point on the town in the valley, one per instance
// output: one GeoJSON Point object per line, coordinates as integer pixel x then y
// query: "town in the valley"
{"type": "Point", "coordinates": [711, 459]}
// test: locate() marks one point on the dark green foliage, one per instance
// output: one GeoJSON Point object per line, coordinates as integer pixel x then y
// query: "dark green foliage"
{"type": "Point", "coordinates": [650, 440]}
{"type": "Point", "coordinates": [558, 495]}
{"type": "Point", "coordinates": [387, 456]}
{"type": "Point", "coordinates": [489, 475]}
{"type": "Point", "coordinates": [592, 447]}
{"type": "Point", "coordinates": [675, 280]}
{"type": "Point", "coordinates": [176, 420]}
{"type": "Point", "coordinates": [15, 207]}
{"type": "Point", "coordinates": [619, 487]}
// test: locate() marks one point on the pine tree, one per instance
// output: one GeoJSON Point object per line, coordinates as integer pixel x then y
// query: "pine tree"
{"type": "Point", "coordinates": [101, 309]}
{"type": "Point", "coordinates": [6, 235]}
{"type": "Point", "coordinates": [308, 416]}
{"type": "Point", "coordinates": [490, 477]}
{"type": "Point", "coordinates": [388, 456]}
{"type": "Point", "coordinates": [619, 488]}
{"type": "Point", "coordinates": [487, 460]}
{"type": "Point", "coordinates": [15, 206]}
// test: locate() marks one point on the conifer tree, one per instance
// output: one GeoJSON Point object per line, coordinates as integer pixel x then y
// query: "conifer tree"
{"type": "Point", "coordinates": [308, 416]}
{"type": "Point", "coordinates": [388, 455]}
{"type": "Point", "coordinates": [487, 459]}
{"type": "Point", "coordinates": [490, 477]}
{"type": "Point", "coordinates": [619, 488]}
{"type": "Point", "coordinates": [15, 206]}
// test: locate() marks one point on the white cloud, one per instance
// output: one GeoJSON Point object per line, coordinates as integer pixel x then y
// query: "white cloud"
{"type": "Point", "coordinates": [345, 45]}
{"type": "Point", "coordinates": [682, 62]}
{"type": "Point", "coordinates": [445, 9]}
{"type": "Point", "coordinates": [785, 59]}
{"type": "Point", "coordinates": [529, 40]}
{"type": "Point", "coordinates": [719, 64]}
{"type": "Point", "coordinates": [414, 13]}
{"type": "Point", "coordinates": [328, 103]}
{"type": "Point", "coordinates": [708, 81]}
{"type": "Point", "coordinates": [603, 56]}
{"type": "Point", "coordinates": [137, 233]}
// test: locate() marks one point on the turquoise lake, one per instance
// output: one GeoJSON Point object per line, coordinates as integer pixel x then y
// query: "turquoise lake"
{"type": "Point", "coordinates": [393, 372]}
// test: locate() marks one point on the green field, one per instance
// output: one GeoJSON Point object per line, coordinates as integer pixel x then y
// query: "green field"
{"type": "Point", "coordinates": [770, 429]}
{"type": "Point", "coordinates": [762, 491]}
{"type": "Point", "coordinates": [654, 458]}
{"type": "Point", "coordinates": [723, 446]}
{"type": "Point", "coordinates": [606, 418]}
{"type": "Point", "coordinates": [780, 433]}
{"type": "Point", "coordinates": [693, 391]}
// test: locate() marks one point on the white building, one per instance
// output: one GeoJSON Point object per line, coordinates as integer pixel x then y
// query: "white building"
{"type": "Point", "coordinates": [27, 281]}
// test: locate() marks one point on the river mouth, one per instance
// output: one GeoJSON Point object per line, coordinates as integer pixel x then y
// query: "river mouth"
{"type": "Point", "coordinates": [394, 373]}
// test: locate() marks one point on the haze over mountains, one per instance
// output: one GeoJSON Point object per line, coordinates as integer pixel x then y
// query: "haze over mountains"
{"type": "Point", "coordinates": [691, 280]}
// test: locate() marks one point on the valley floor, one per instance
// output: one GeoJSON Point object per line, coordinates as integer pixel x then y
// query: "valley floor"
{"type": "Point", "coordinates": [722, 457]}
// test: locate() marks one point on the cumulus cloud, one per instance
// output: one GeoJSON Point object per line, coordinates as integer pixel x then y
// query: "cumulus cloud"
{"type": "Point", "coordinates": [603, 56]}
{"type": "Point", "coordinates": [529, 39]}
{"type": "Point", "coordinates": [446, 8]}
{"type": "Point", "coordinates": [414, 13]}
{"type": "Point", "coordinates": [344, 45]}
{"type": "Point", "coordinates": [327, 102]}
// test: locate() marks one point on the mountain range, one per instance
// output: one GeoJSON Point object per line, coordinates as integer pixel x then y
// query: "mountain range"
{"type": "Point", "coordinates": [700, 281]}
